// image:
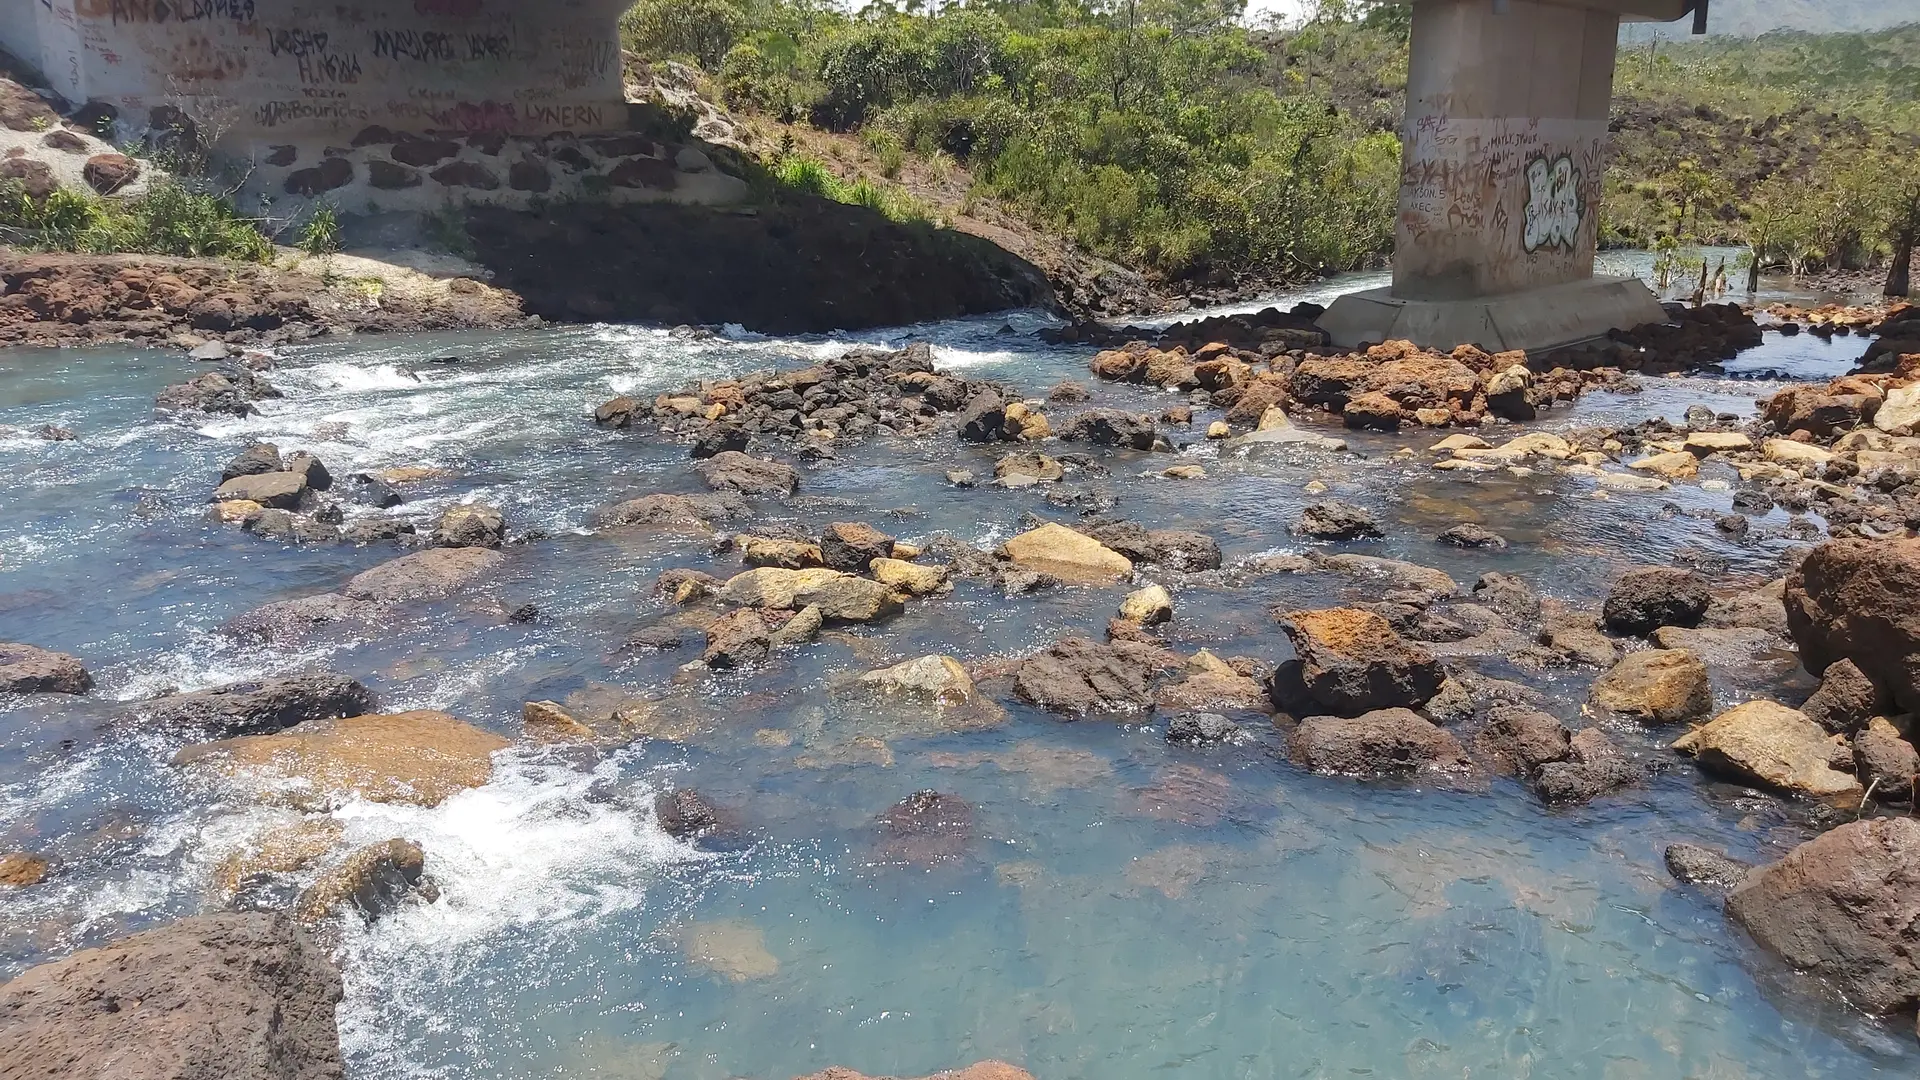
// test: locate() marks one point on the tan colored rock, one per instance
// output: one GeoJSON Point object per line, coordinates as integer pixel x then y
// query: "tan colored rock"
{"type": "Point", "coordinates": [1704, 443]}
{"type": "Point", "coordinates": [1219, 429]}
{"type": "Point", "coordinates": [547, 721]}
{"type": "Point", "coordinates": [1675, 465]}
{"type": "Point", "coordinates": [773, 587]}
{"type": "Point", "coordinates": [1789, 452]}
{"type": "Point", "coordinates": [1661, 686]}
{"type": "Point", "coordinates": [411, 474]}
{"type": "Point", "coordinates": [1460, 441]}
{"type": "Point", "coordinates": [1184, 472]}
{"type": "Point", "coordinates": [1899, 414]}
{"type": "Point", "coordinates": [786, 554]}
{"type": "Point", "coordinates": [1766, 743]}
{"type": "Point", "coordinates": [419, 757]}
{"type": "Point", "coordinates": [1068, 555]}
{"type": "Point", "coordinates": [733, 949]}
{"type": "Point", "coordinates": [234, 511]}
{"type": "Point", "coordinates": [372, 881]}
{"type": "Point", "coordinates": [1616, 481]}
{"type": "Point", "coordinates": [909, 578]}
{"type": "Point", "coordinates": [19, 869]}
{"type": "Point", "coordinates": [943, 681]}
{"type": "Point", "coordinates": [284, 849]}
{"type": "Point", "coordinates": [1148, 606]}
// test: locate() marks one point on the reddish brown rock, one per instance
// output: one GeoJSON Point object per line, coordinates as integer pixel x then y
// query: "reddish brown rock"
{"type": "Point", "coordinates": [1854, 600]}
{"type": "Point", "coordinates": [108, 173]}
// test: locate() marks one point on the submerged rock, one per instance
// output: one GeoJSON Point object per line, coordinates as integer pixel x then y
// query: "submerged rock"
{"type": "Point", "coordinates": [1692, 864]}
{"type": "Point", "coordinates": [1076, 675]}
{"type": "Point", "coordinates": [1659, 686]}
{"type": "Point", "coordinates": [1593, 767]}
{"type": "Point", "coordinates": [371, 882]}
{"type": "Point", "coordinates": [925, 828]}
{"type": "Point", "coordinates": [418, 757]}
{"type": "Point", "coordinates": [1351, 662]}
{"type": "Point", "coordinates": [985, 1070]}
{"type": "Point", "coordinates": [213, 997]}
{"type": "Point", "coordinates": [20, 869]}
{"type": "Point", "coordinates": [1840, 908]}
{"type": "Point", "coordinates": [29, 669]}
{"type": "Point", "coordinates": [1768, 744]}
{"type": "Point", "coordinates": [1175, 549]}
{"type": "Point", "coordinates": [259, 707]}
{"type": "Point", "coordinates": [1385, 742]}
{"type": "Point", "coordinates": [684, 812]}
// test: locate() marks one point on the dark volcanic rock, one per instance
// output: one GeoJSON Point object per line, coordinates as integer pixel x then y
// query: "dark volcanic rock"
{"type": "Point", "coordinates": [29, 669]}
{"type": "Point", "coordinates": [1855, 600]}
{"type": "Point", "coordinates": [1201, 727]}
{"type": "Point", "coordinates": [1846, 699]}
{"type": "Point", "coordinates": [1692, 864]}
{"type": "Point", "coordinates": [1336, 520]}
{"type": "Point", "coordinates": [260, 707]}
{"type": "Point", "coordinates": [1384, 742]}
{"type": "Point", "coordinates": [984, 418]}
{"type": "Point", "coordinates": [731, 470]}
{"type": "Point", "coordinates": [684, 812]}
{"type": "Point", "coordinates": [1842, 908]}
{"type": "Point", "coordinates": [1469, 535]}
{"type": "Point", "coordinates": [852, 546]}
{"type": "Point", "coordinates": [423, 576]}
{"type": "Point", "coordinates": [1175, 549]}
{"type": "Point", "coordinates": [215, 997]}
{"type": "Point", "coordinates": [718, 440]}
{"type": "Point", "coordinates": [231, 392]}
{"type": "Point", "coordinates": [700, 510]}
{"type": "Point", "coordinates": [290, 620]}
{"type": "Point", "coordinates": [1645, 600]}
{"type": "Point", "coordinates": [1111, 427]}
{"type": "Point", "coordinates": [926, 827]}
{"type": "Point", "coordinates": [1352, 662]}
{"type": "Point", "coordinates": [1076, 675]}
{"type": "Point", "coordinates": [255, 459]}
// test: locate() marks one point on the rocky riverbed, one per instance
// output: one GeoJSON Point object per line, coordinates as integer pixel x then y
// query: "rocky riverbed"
{"type": "Point", "coordinates": [605, 701]}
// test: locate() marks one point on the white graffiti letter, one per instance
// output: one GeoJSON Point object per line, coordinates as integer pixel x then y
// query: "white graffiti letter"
{"type": "Point", "coordinates": [1554, 206]}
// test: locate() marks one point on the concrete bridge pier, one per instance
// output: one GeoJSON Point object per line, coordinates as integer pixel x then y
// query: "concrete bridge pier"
{"type": "Point", "coordinates": [1503, 153]}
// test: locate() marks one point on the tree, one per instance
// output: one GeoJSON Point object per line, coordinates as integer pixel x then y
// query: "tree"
{"type": "Point", "coordinates": [1773, 206]}
{"type": "Point", "coordinates": [701, 29]}
{"type": "Point", "coordinates": [1903, 225]}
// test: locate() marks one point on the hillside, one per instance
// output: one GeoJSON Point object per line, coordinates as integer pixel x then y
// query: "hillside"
{"type": "Point", "coordinates": [1747, 18]}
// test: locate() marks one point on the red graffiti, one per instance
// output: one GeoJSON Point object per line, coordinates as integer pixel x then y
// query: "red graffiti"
{"type": "Point", "coordinates": [456, 9]}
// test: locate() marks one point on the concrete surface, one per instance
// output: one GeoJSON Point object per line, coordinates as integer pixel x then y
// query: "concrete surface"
{"type": "Point", "coordinates": [1533, 319]}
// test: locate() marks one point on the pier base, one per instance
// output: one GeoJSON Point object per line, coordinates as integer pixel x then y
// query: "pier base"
{"type": "Point", "coordinates": [1542, 318]}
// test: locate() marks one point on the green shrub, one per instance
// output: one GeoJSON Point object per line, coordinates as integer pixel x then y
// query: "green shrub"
{"type": "Point", "coordinates": [321, 234]}
{"type": "Point", "coordinates": [700, 29]}
{"type": "Point", "coordinates": [168, 219]}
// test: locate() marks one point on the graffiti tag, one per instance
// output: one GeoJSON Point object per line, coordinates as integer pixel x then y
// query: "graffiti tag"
{"type": "Point", "coordinates": [1554, 205]}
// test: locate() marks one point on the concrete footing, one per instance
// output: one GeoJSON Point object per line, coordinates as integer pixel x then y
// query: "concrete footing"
{"type": "Point", "coordinates": [1542, 318]}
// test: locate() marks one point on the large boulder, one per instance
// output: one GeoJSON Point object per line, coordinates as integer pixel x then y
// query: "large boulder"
{"type": "Point", "coordinates": [1765, 743]}
{"type": "Point", "coordinates": [1660, 686]}
{"type": "Point", "coordinates": [215, 997]}
{"type": "Point", "coordinates": [731, 470]}
{"type": "Point", "coordinates": [1854, 600]}
{"type": "Point", "coordinates": [423, 576]}
{"type": "Point", "coordinates": [1076, 675]}
{"type": "Point", "coordinates": [419, 757]}
{"type": "Point", "coordinates": [29, 669]}
{"type": "Point", "coordinates": [1644, 600]}
{"type": "Point", "coordinates": [259, 707]}
{"type": "Point", "coordinates": [1068, 555]}
{"type": "Point", "coordinates": [1385, 742]}
{"type": "Point", "coordinates": [1842, 908]}
{"type": "Point", "coordinates": [852, 546]}
{"type": "Point", "coordinates": [1352, 662]}
{"type": "Point", "coordinates": [470, 525]}
{"type": "Point", "coordinates": [1112, 427]}
{"type": "Point", "coordinates": [279, 490]}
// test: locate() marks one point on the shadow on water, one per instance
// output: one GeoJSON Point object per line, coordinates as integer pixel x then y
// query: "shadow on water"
{"type": "Point", "coordinates": [1118, 907]}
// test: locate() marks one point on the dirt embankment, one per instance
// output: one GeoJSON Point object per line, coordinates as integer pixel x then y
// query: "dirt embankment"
{"type": "Point", "coordinates": [61, 299]}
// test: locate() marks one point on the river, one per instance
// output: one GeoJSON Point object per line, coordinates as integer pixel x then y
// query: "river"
{"type": "Point", "coordinates": [1127, 909]}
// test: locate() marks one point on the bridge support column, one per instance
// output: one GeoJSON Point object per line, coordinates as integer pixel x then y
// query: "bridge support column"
{"type": "Point", "coordinates": [1503, 154]}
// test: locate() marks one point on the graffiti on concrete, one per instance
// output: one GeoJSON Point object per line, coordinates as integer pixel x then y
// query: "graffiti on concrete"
{"type": "Point", "coordinates": [1554, 205]}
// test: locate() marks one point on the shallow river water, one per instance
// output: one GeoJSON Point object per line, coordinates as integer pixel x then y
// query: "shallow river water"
{"type": "Point", "coordinates": [1126, 909]}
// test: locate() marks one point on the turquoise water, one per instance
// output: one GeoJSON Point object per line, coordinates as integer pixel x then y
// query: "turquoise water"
{"type": "Point", "coordinates": [1123, 909]}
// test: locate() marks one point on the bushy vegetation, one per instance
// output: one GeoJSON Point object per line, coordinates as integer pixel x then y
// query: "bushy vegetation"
{"type": "Point", "coordinates": [1151, 131]}
{"type": "Point", "coordinates": [169, 218]}
{"type": "Point", "coordinates": [801, 173]}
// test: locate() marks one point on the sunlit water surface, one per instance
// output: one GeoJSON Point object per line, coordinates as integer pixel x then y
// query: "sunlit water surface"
{"type": "Point", "coordinates": [1125, 909]}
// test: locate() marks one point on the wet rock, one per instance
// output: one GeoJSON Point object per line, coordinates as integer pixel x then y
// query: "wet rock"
{"type": "Point", "coordinates": [718, 440]}
{"type": "Point", "coordinates": [1579, 641]}
{"type": "Point", "coordinates": [311, 469]}
{"type": "Point", "coordinates": [840, 597]}
{"type": "Point", "coordinates": [1336, 520]}
{"type": "Point", "coordinates": [1644, 600]}
{"type": "Point", "coordinates": [258, 707]}
{"type": "Point", "coordinates": [735, 950]}
{"type": "Point", "coordinates": [1840, 909]}
{"type": "Point", "coordinates": [1469, 535]}
{"type": "Point", "coordinates": [960, 478]}
{"type": "Point", "coordinates": [19, 869]}
{"type": "Point", "coordinates": [1854, 600]}
{"type": "Point", "coordinates": [1886, 761]}
{"type": "Point", "coordinates": [470, 525]}
{"type": "Point", "coordinates": [290, 620]}
{"type": "Point", "coordinates": [1147, 607]}
{"type": "Point", "coordinates": [1760, 609]}
{"type": "Point", "coordinates": [1511, 596]}
{"type": "Point", "coordinates": [1174, 549]}
{"type": "Point", "coordinates": [738, 639]}
{"type": "Point", "coordinates": [734, 471]}
{"type": "Point", "coordinates": [700, 511]}
{"type": "Point", "coordinates": [1065, 554]}
{"type": "Point", "coordinates": [1395, 572]}
{"type": "Point", "coordinates": [786, 554]}
{"type": "Point", "coordinates": [1659, 686]}
{"type": "Point", "coordinates": [1029, 464]}
{"type": "Point", "coordinates": [1522, 740]}
{"type": "Point", "coordinates": [213, 997]}
{"type": "Point", "coordinates": [925, 828]}
{"type": "Point", "coordinates": [1076, 675]}
{"type": "Point", "coordinates": [984, 1070]}
{"type": "Point", "coordinates": [29, 669]}
{"type": "Point", "coordinates": [232, 393]}
{"type": "Point", "coordinates": [1466, 695]}
{"type": "Point", "coordinates": [1352, 662]}
{"type": "Point", "coordinates": [684, 812]}
{"type": "Point", "coordinates": [1768, 744]}
{"type": "Point", "coordinates": [1214, 687]}
{"type": "Point", "coordinates": [429, 575]}
{"type": "Point", "coordinates": [1384, 742]}
{"type": "Point", "coordinates": [550, 722]}
{"type": "Point", "coordinates": [279, 490]}
{"type": "Point", "coordinates": [371, 882]}
{"type": "Point", "coordinates": [851, 546]}
{"type": "Point", "coordinates": [1112, 427]}
{"type": "Point", "coordinates": [908, 578]}
{"type": "Point", "coordinates": [419, 757]}
{"type": "Point", "coordinates": [286, 526]}
{"type": "Point", "coordinates": [1373, 410]}
{"type": "Point", "coordinates": [940, 678]}
{"type": "Point", "coordinates": [1201, 727]}
{"type": "Point", "coordinates": [984, 418]}
{"type": "Point", "coordinates": [254, 460]}
{"type": "Point", "coordinates": [1691, 864]}
{"type": "Point", "coordinates": [1593, 767]}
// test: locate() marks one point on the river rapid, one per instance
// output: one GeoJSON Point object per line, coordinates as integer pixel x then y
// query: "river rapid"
{"type": "Point", "coordinates": [1126, 908]}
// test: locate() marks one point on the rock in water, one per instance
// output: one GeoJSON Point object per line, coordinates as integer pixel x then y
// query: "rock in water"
{"type": "Point", "coordinates": [1854, 600]}
{"type": "Point", "coordinates": [29, 669]}
{"type": "Point", "coordinates": [985, 1070]}
{"type": "Point", "coordinates": [1886, 761]}
{"type": "Point", "coordinates": [422, 576]}
{"type": "Point", "coordinates": [1201, 727]}
{"type": "Point", "coordinates": [419, 757]}
{"type": "Point", "coordinates": [470, 525]}
{"type": "Point", "coordinates": [372, 881]}
{"type": "Point", "coordinates": [1468, 535]}
{"type": "Point", "coordinates": [926, 827]}
{"type": "Point", "coordinates": [1765, 743]}
{"type": "Point", "coordinates": [215, 997]}
{"type": "Point", "coordinates": [1336, 520]}
{"type": "Point", "coordinates": [731, 470]}
{"type": "Point", "coordinates": [1352, 662]}
{"type": "Point", "coordinates": [1147, 607]}
{"type": "Point", "coordinates": [258, 708]}
{"type": "Point", "coordinates": [1385, 742]}
{"type": "Point", "coordinates": [255, 459]}
{"type": "Point", "coordinates": [1644, 600]}
{"type": "Point", "coordinates": [684, 812]}
{"type": "Point", "coordinates": [1066, 554]}
{"type": "Point", "coordinates": [1696, 865]}
{"type": "Point", "coordinates": [1846, 699]}
{"type": "Point", "coordinates": [1076, 675]}
{"type": "Point", "coordinates": [1661, 686]}
{"type": "Point", "coordinates": [851, 546]}
{"type": "Point", "coordinates": [1841, 907]}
